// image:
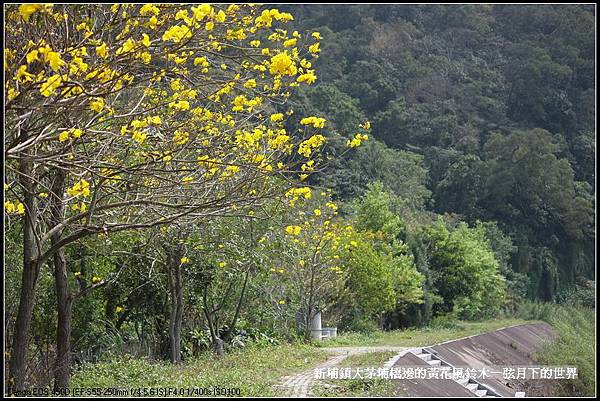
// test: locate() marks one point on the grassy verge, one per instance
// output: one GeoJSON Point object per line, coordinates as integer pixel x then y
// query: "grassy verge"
{"type": "Point", "coordinates": [254, 370]}
{"type": "Point", "coordinates": [575, 345]}
{"type": "Point", "coordinates": [360, 387]}
{"type": "Point", "coordinates": [418, 337]}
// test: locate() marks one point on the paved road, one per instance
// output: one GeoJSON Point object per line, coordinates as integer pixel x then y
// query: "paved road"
{"type": "Point", "coordinates": [301, 384]}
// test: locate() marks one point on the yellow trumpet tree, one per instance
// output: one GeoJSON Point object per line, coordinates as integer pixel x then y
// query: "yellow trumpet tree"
{"type": "Point", "coordinates": [129, 116]}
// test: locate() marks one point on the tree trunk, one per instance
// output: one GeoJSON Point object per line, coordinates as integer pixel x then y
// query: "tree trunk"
{"type": "Point", "coordinates": [228, 335]}
{"type": "Point", "coordinates": [217, 345]}
{"type": "Point", "coordinates": [31, 268]}
{"type": "Point", "coordinates": [179, 310]}
{"type": "Point", "coordinates": [176, 315]}
{"type": "Point", "coordinates": [215, 340]}
{"type": "Point", "coordinates": [62, 367]}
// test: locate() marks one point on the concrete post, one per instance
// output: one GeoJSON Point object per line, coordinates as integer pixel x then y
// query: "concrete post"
{"type": "Point", "coordinates": [315, 326]}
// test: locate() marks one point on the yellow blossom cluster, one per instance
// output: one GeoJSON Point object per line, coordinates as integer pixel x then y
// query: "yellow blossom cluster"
{"type": "Point", "coordinates": [316, 122]}
{"type": "Point", "coordinates": [14, 207]}
{"type": "Point", "coordinates": [71, 133]}
{"type": "Point", "coordinates": [357, 140]}
{"type": "Point", "coordinates": [80, 188]}
{"type": "Point", "coordinates": [293, 230]}
{"type": "Point", "coordinates": [314, 142]}
{"type": "Point", "coordinates": [154, 77]}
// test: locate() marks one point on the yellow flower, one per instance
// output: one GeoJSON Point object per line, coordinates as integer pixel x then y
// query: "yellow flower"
{"type": "Point", "coordinates": [32, 56]}
{"type": "Point", "coordinates": [145, 40]}
{"type": "Point", "coordinates": [281, 302]}
{"type": "Point", "coordinates": [316, 35]}
{"type": "Point", "coordinates": [54, 60]}
{"type": "Point", "coordinates": [181, 137]}
{"type": "Point", "coordinates": [12, 93]}
{"type": "Point", "coordinates": [282, 64]}
{"type": "Point", "coordinates": [96, 279]}
{"type": "Point", "coordinates": [26, 10]}
{"type": "Point", "coordinates": [82, 187]}
{"type": "Point", "coordinates": [306, 147]}
{"type": "Point", "coordinates": [277, 117]}
{"type": "Point", "coordinates": [184, 260]}
{"type": "Point", "coordinates": [317, 212]}
{"type": "Point", "coordinates": [14, 207]}
{"type": "Point", "coordinates": [139, 136]}
{"type": "Point", "coordinates": [222, 264]}
{"type": "Point", "coordinates": [119, 309]}
{"type": "Point", "coordinates": [309, 78]}
{"type": "Point", "coordinates": [177, 33]}
{"type": "Point", "coordinates": [79, 207]}
{"type": "Point", "coordinates": [9, 207]}
{"type": "Point", "coordinates": [23, 76]}
{"type": "Point", "coordinates": [357, 140]}
{"type": "Point", "coordinates": [180, 105]}
{"type": "Point", "coordinates": [298, 192]}
{"type": "Point", "coordinates": [97, 104]}
{"type": "Point", "coordinates": [202, 11]}
{"type": "Point", "coordinates": [314, 49]}
{"type": "Point", "coordinates": [201, 61]}
{"type": "Point", "coordinates": [251, 83]}
{"type": "Point", "coordinates": [49, 87]}
{"type": "Point", "coordinates": [290, 42]}
{"type": "Point", "coordinates": [63, 136]}
{"type": "Point", "coordinates": [127, 47]}
{"type": "Point", "coordinates": [316, 122]}
{"type": "Point", "coordinates": [293, 230]}
{"type": "Point", "coordinates": [149, 9]}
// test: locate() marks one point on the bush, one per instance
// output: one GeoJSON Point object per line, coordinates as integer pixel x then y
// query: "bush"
{"type": "Point", "coordinates": [583, 294]}
{"type": "Point", "coordinates": [575, 345]}
{"type": "Point", "coordinates": [447, 322]}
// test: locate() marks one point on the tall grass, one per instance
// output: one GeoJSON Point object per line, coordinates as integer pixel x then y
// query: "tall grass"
{"type": "Point", "coordinates": [575, 345]}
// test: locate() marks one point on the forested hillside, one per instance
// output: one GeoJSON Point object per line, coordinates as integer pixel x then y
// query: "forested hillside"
{"type": "Point", "coordinates": [484, 111]}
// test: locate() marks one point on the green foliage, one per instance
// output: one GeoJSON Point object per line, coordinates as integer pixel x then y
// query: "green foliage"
{"type": "Point", "coordinates": [383, 276]}
{"type": "Point", "coordinates": [506, 132]}
{"type": "Point", "coordinates": [465, 271]}
{"type": "Point", "coordinates": [574, 346]}
{"type": "Point", "coordinates": [254, 370]}
{"type": "Point", "coordinates": [370, 280]}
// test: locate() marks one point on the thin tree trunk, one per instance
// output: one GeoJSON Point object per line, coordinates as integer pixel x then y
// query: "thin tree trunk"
{"type": "Point", "coordinates": [173, 308]}
{"type": "Point", "coordinates": [216, 342]}
{"type": "Point", "coordinates": [62, 367]}
{"type": "Point", "coordinates": [238, 308]}
{"type": "Point", "coordinates": [31, 268]}
{"type": "Point", "coordinates": [179, 306]}
{"type": "Point", "coordinates": [176, 315]}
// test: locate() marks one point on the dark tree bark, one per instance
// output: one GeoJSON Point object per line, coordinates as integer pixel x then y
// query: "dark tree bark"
{"type": "Point", "coordinates": [176, 316]}
{"type": "Point", "coordinates": [62, 367]}
{"type": "Point", "coordinates": [31, 268]}
{"type": "Point", "coordinates": [238, 309]}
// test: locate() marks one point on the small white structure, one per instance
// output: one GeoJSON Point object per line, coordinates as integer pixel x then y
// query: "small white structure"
{"type": "Point", "coordinates": [315, 326]}
{"type": "Point", "coordinates": [321, 333]}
